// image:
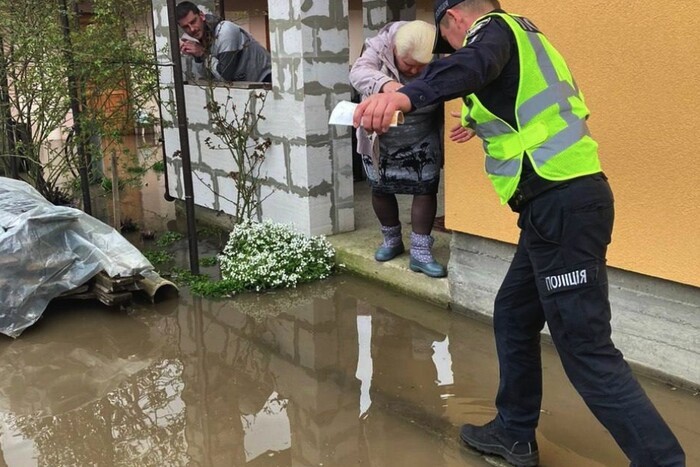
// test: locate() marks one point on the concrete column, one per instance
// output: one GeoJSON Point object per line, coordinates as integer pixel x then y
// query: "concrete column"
{"type": "Point", "coordinates": [310, 48]}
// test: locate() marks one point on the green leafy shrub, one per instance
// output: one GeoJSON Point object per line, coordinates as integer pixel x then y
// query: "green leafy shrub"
{"type": "Point", "coordinates": [208, 261]}
{"type": "Point", "coordinates": [157, 257]}
{"type": "Point", "coordinates": [202, 284]}
{"type": "Point", "coordinates": [168, 238]}
{"type": "Point", "coordinates": [267, 255]}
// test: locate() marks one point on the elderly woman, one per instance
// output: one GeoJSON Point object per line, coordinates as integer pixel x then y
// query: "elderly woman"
{"type": "Point", "coordinates": [407, 159]}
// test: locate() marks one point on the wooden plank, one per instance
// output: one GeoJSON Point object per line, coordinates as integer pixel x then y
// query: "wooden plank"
{"type": "Point", "coordinates": [115, 284]}
{"type": "Point", "coordinates": [79, 296]}
{"type": "Point", "coordinates": [112, 299]}
{"type": "Point", "coordinates": [78, 290]}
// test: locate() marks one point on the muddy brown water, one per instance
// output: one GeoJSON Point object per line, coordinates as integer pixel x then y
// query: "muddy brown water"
{"type": "Point", "coordinates": [341, 372]}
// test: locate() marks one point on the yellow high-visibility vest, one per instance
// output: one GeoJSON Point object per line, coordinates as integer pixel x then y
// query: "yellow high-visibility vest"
{"type": "Point", "coordinates": [550, 114]}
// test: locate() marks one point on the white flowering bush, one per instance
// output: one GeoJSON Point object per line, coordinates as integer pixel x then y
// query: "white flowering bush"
{"type": "Point", "coordinates": [266, 255]}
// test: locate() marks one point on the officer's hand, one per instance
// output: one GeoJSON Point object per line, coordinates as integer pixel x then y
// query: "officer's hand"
{"type": "Point", "coordinates": [458, 133]}
{"type": "Point", "coordinates": [376, 112]}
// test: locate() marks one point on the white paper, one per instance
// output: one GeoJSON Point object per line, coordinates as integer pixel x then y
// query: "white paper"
{"type": "Point", "coordinates": [344, 110]}
{"type": "Point", "coordinates": [187, 37]}
{"type": "Point", "coordinates": [342, 114]}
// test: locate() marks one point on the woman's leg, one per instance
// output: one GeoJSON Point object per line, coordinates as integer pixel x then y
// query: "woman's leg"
{"type": "Point", "coordinates": [423, 210]}
{"type": "Point", "coordinates": [386, 208]}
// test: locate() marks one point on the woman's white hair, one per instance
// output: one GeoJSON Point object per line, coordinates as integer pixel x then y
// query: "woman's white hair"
{"type": "Point", "coordinates": [415, 40]}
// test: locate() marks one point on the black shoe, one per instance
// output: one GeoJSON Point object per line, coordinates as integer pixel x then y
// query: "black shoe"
{"type": "Point", "coordinates": [492, 439]}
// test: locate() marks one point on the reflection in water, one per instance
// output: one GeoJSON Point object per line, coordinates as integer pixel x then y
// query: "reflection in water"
{"type": "Point", "coordinates": [267, 430]}
{"type": "Point", "coordinates": [269, 380]}
{"type": "Point", "coordinates": [220, 383]}
{"type": "Point", "coordinates": [443, 362]}
{"type": "Point", "coordinates": [141, 422]}
{"type": "Point", "coordinates": [17, 449]}
{"type": "Point", "coordinates": [364, 362]}
{"type": "Point", "coordinates": [441, 359]}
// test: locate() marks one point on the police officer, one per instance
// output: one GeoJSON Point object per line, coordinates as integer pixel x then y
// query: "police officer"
{"type": "Point", "coordinates": [543, 162]}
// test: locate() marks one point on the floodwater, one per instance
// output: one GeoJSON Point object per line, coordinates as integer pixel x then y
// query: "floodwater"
{"type": "Point", "coordinates": [342, 372]}
{"type": "Point", "coordinates": [337, 373]}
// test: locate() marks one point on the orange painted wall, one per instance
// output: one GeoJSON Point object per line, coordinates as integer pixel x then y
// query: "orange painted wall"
{"type": "Point", "coordinates": [639, 68]}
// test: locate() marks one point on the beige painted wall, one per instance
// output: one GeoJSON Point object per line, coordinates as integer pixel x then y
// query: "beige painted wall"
{"type": "Point", "coordinates": [638, 66]}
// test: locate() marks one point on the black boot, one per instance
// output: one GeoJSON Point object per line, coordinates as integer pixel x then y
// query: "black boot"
{"type": "Point", "coordinates": [493, 439]}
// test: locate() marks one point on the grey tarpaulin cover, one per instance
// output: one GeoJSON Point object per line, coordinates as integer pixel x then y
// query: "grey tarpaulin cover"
{"type": "Point", "coordinates": [46, 250]}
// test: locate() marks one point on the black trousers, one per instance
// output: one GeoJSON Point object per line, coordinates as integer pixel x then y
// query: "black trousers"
{"type": "Point", "coordinates": [558, 276]}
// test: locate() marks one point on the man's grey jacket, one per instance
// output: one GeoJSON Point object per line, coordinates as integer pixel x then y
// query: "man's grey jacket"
{"type": "Point", "coordinates": [233, 54]}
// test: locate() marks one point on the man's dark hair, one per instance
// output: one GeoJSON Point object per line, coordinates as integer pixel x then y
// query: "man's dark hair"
{"type": "Point", "coordinates": [184, 8]}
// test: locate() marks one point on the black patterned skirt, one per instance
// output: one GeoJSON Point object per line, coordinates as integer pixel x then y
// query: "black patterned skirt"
{"type": "Point", "coordinates": [410, 156]}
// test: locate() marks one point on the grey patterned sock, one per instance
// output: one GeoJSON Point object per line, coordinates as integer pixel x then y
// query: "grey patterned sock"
{"type": "Point", "coordinates": [392, 236]}
{"type": "Point", "coordinates": [421, 246]}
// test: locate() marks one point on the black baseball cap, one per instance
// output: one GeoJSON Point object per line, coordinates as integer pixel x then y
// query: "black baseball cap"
{"type": "Point", "coordinates": [441, 46]}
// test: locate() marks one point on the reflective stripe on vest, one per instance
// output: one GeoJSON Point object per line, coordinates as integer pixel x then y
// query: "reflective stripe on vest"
{"type": "Point", "coordinates": [556, 92]}
{"type": "Point", "coordinates": [551, 123]}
